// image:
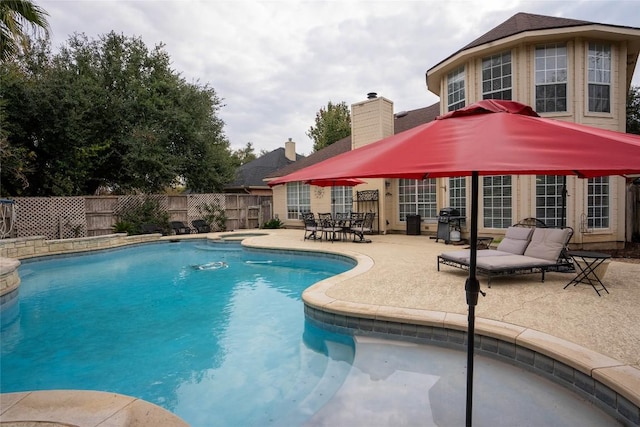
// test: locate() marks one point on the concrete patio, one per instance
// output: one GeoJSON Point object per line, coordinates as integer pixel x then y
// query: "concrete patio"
{"type": "Point", "coordinates": [404, 275]}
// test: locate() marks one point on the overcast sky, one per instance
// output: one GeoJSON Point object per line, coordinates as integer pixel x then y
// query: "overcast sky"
{"type": "Point", "coordinates": [276, 63]}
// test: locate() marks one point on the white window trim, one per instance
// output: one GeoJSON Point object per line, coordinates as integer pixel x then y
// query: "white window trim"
{"type": "Point", "coordinates": [461, 70]}
{"type": "Point", "coordinates": [513, 73]}
{"type": "Point", "coordinates": [298, 204]}
{"type": "Point", "coordinates": [570, 68]}
{"type": "Point", "coordinates": [481, 208]}
{"type": "Point", "coordinates": [613, 72]}
{"type": "Point", "coordinates": [612, 201]}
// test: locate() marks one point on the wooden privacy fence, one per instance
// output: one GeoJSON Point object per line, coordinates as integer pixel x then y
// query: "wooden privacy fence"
{"type": "Point", "coordinates": [69, 217]}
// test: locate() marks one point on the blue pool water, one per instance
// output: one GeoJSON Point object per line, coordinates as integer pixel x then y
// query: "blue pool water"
{"type": "Point", "coordinates": [209, 331]}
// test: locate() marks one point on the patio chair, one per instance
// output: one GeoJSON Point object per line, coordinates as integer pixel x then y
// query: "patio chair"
{"type": "Point", "coordinates": [150, 228]}
{"type": "Point", "coordinates": [360, 227]}
{"type": "Point", "coordinates": [201, 226]}
{"type": "Point", "coordinates": [523, 250]}
{"type": "Point", "coordinates": [178, 227]}
{"type": "Point", "coordinates": [343, 220]}
{"type": "Point", "coordinates": [329, 227]}
{"type": "Point", "coordinates": [531, 222]}
{"type": "Point", "coordinates": [312, 230]}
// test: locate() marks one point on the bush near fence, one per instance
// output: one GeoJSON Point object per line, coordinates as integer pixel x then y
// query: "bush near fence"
{"type": "Point", "coordinates": [69, 217]}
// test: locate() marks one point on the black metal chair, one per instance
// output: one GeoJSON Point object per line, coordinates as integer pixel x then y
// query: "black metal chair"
{"type": "Point", "coordinates": [343, 220]}
{"type": "Point", "coordinates": [201, 226]}
{"type": "Point", "coordinates": [329, 228]}
{"type": "Point", "coordinates": [362, 227]}
{"type": "Point", "coordinates": [312, 230]}
{"type": "Point", "coordinates": [178, 227]}
{"type": "Point", "coordinates": [151, 228]}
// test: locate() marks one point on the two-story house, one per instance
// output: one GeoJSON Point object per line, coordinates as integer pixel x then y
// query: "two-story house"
{"type": "Point", "coordinates": [565, 69]}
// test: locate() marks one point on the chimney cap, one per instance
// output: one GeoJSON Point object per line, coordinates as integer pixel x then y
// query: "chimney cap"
{"type": "Point", "coordinates": [372, 95]}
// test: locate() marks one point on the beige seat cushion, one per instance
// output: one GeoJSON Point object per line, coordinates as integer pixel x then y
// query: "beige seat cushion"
{"type": "Point", "coordinates": [512, 262]}
{"type": "Point", "coordinates": [516, 240]}
{"type": "Point", "coordinates": [547, 243]}
{"type": "Point", "coordinates": [464, 255]}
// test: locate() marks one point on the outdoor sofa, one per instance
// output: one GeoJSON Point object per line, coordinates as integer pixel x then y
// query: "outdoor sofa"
{"type": "Point", "coordinates": [522, 251]}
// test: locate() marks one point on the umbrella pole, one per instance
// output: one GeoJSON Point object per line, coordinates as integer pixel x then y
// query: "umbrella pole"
{"type": "Point", "coordinates": [472, 288]}
{"type": "Point", "coordinates": [563, 222]}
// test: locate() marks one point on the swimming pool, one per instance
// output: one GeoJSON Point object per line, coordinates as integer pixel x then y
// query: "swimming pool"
{"type": "Point", "coordinates": [212, 332]}
{"type": "Point", "coordinates": [235, 377]}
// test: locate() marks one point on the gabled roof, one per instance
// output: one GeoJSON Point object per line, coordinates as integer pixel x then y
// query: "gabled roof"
{"type": "Point", "coordinates": [341, 146]}
{"type": "Point", "coordinates": [517, 26]}
{"type": "Point", "coordinates": [403, 121]}
{"type": "Point", "coordinates": [253, 173]}
{"type": "Point", "coordinates": [521, 22]}
{"type": "Point", "coordinates": [410, 119]}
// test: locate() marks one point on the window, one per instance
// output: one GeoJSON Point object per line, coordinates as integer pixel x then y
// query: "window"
{"type": "Point", "coordinates": [599, 71]}
{"type": "Point", "coordinates": [598, 202]}
{"type": "Point", "coordinates": [497, 201]}
{"type": "Point", "coordinates": [549, 203]}
{"type": "Point", "coordinates": [341, 199]}
{"type": "Point", "coordinates": [496, 76]}
{"type": "Point", "coordinates": [417, 197]}
{"type": "Point", "coordinates": [298, 199]}
{"type": "Point", "coordinates": [458, 194]}
{"type": "Point", "coordinates": [455, 89]}
{"type": "Point", "coordinates": [551, 78]}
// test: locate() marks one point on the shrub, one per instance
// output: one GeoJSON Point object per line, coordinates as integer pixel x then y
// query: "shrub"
{"type": "Point", "coordinates": [273, 223]}
{"type": "Point", "coordinates": [124, 227]}
{"type": "Point", "coordinates": [147, 211]}
{"type": "Point", "coordinates": [214, 215]}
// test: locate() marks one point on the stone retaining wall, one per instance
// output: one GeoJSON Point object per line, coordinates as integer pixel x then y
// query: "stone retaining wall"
{"type": "Point", "coordinates": [9, 278]}
{"type": "Point", "coordinates": [28, 247]}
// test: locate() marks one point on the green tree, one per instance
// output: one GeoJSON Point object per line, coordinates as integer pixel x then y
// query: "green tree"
{"type": "Point", "coordinates": [332, 124]}
{"type": "Point", "coordinates": [244, 155]}
{"type": "Point", "coordinates": [111, 113]}
{"type": "Point", "coordinates": [633, 110]}
{"type": "Point", "coordinates": [15, 17]}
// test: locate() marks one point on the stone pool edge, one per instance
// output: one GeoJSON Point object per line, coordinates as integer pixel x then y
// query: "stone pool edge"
{"type": "Point", "coordinates": [610, 384]}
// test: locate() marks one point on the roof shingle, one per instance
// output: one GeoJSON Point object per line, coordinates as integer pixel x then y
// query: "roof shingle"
{"type": "Point", "coordinates": [403, 121]}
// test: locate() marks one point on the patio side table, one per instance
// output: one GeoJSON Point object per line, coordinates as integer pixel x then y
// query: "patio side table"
{"type": "Point", "coordinates": [587, 262]}
{"type": "Point", "coordinates": [484, 242]}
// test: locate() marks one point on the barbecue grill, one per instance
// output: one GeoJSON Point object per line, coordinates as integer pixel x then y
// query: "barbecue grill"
{"type": "Point", "coordinates": [448, 220]}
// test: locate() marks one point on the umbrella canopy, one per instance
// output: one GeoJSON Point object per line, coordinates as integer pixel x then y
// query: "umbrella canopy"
{"type": "Point", "coordinates": [342, 182]}
{"type": "Point", "coordinates": [490, 137]}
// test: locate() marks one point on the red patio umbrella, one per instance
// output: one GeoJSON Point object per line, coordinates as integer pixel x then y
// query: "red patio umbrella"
{"type": "Point", "coordinates": [490, 137]}
{"type": "Point", "coordinates": [342, 182]}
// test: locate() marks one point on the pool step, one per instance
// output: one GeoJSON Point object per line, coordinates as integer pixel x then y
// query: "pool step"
{"type": "Point", "coordinates": [336, 371]}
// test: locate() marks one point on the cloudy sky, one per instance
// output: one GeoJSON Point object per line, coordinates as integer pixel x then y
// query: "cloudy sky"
{"type": "Point", "coordinates": [276, 63]}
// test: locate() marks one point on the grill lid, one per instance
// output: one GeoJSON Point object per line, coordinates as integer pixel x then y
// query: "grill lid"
{"type": "Point", "coordinates": [449, 212]}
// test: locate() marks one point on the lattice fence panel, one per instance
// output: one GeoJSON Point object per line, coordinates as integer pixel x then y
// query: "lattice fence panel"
{"type": "Point", "coordinates": [68, 217]}
{"type": "Point", "coordinates": [194, 202]}
{"type": "Point", "coordinates": [132, 201]}
{"type": "Point", "coordinates": [52, 217]}
{"type": "Point", "coordinates": [197, 200]}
